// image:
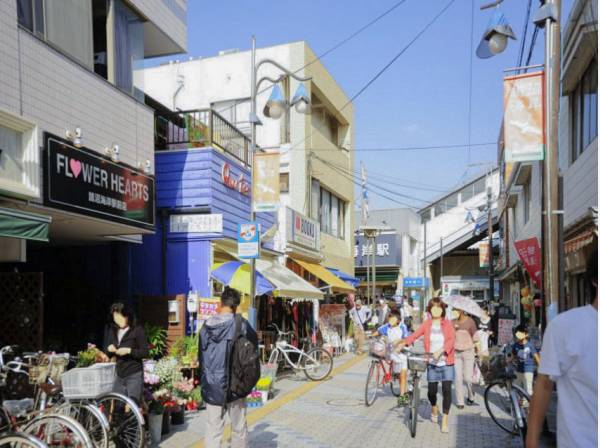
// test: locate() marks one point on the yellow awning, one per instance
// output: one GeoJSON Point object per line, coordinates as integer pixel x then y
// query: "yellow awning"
{"type": "Point", "coordinates": [319, 271]}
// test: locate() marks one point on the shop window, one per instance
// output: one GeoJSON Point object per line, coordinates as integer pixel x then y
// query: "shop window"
{"type": "Point", "coordinates": [30, 14]}
{"type": "Point", "coordinates": [584, 111]}
{"type": "Point", "coordinates": [325, 211]}
{"type": "Point", "coordinates": [284, 182]}
{"type": "Point", "coordinates": [329, 210]}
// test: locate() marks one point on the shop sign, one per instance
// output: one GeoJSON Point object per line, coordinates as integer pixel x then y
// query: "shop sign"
{"type": "Point", "coordinates": [82, 181]}
{"type": "Point", "coordinates": [531, 257]}
{"type": "Point", "coordinates": [265, 182]}
{"type": "Point", "coordinates": [239, 184]}
{"type": "Point", "coordinates": [415, 282]}
{"type": "Point", "coordinates": [302, 230]}
{"type": "Point", "coordinates": [248, 240]}
{"type": "Point", "coordinates": [524, 117]}
{"type": "Point", "coordinates": [386, 249]}
{"type": "Point", "coordinates": [484, 254]}
{"type": "Point", "coordinates": [196, 223]}
{"type": "Point", "coordinates": [207, 307]}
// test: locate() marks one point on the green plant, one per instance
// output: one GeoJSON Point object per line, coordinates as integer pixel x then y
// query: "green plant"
{"type": "Point", "coordinates": [168, 372]}
{"type": "Point", "coordinates": [157, 340]}
{"type": "Point", "coordinates": [196, 395]}
{"type": "Point", "coordinates": [86, 358]}
{"type": "Point", "coordinates": [185, 349]}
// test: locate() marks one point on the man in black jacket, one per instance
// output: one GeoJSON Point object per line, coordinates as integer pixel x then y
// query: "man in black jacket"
{"type": "Point", "coordinates": [216, 339]}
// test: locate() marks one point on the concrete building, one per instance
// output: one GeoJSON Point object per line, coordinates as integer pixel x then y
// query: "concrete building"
{"type": "Point", "coordinates": [315, 149]}
{"type": "Point", "coordinates": [452, 229]}
{"type": "Point", "coordinates": [578, 146]}
{"type": "Point", "coordinates": [396, 251]}
{"type": "Point", "coordinates": [77, 155]}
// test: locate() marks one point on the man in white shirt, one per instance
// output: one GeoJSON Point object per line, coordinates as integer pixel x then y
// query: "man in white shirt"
{"type": "Point", "coordinates": [360, 315]}
{"type": "Point", "coordinates": [569, 359]}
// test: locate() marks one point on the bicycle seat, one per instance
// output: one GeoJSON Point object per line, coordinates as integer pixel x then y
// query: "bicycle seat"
{"type": "Point", "coordinates": [50, 389]}
{"type": "Point", "coordinates": [18, 408]}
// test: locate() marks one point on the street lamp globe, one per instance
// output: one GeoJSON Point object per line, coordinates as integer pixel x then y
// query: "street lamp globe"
{"type": "Point", "coordinates": [301, 100]}
{"type": "Point", "coordinates": [497, 43]}
{"type": "Point", "coordinates": [275, 104]}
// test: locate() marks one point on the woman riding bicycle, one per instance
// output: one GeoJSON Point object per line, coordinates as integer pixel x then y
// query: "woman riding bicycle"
{"type": "Point", "coordinates": [438, 338]}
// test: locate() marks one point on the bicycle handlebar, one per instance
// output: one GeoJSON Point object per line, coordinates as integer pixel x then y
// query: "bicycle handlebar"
{"type": "Point", "coordinates": [279, 332]}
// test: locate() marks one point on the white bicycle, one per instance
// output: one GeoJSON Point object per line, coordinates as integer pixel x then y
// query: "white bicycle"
{"type": "Point", "coordinates": [316, 363]}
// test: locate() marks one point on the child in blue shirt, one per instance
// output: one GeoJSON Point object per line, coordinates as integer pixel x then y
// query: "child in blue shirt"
{"type": "Point", "coordinates": [527, 356]}
{"type": "Point", "coordinates": [395, 330]}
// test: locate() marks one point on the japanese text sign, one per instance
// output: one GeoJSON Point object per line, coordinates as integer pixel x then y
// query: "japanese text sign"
{"type": "Point", "coordinates": [531, 257]}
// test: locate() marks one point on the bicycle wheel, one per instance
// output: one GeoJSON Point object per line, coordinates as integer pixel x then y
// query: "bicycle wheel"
{"type": "Point", "coordinates": [125, 421]}
{"type": "Point", "coordinates": [395, 385]}
{"type": "Point", "coordinates": [317, 364]}
{"type": "Point", "coordinates": [21, 440]}
{"type": "Point", "coordinates": [374, 378]}
{"type": "Point", "coordinates": [58, 430]}
{"type": "Point", "coordinates": [499, 406]}
{"type": "Point", "coordinates": [92, 420]}
{"type": "Point", "coordinates": [414, 406]}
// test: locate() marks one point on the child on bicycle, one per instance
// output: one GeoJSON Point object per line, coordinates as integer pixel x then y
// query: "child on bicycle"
{"type": "Point", "coordinates": [395, 330]}
{"type": "Point", "coordinates": [528, 358]}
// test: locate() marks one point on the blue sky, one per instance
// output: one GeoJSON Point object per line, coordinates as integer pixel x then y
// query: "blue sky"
{"type": "Point", "coordinates": [422, 100]}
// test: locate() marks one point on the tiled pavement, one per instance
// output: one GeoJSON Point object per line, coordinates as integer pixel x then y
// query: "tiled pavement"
{"type": "Point", "coordinates": [333, 414]}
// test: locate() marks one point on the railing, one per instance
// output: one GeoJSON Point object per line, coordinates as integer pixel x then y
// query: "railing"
{"type": "Point", "coordinates": [199, 129]}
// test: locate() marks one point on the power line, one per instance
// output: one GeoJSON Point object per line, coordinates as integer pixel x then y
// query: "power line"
{"type": "Point", "coordinates": [532, 45]}
{"type": "Point", "coordinates": [404, 148]}
{"type": "Point", "coordinates": [335, 47]}
{"type": "Point", "coordinates": [524, 38]}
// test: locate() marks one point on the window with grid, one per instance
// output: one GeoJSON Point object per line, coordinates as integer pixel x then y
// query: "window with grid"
{"type": "Point", "coordinates": [584, 111]}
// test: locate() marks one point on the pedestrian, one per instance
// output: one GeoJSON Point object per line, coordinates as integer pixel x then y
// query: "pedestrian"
{"type": "Point", "coordinates": [569, 360]}
{"type": "Point", "coordinates": [126, 341]}
{"type": "Point", "coordinates": [360, 315]}
{"type": "Point", "coordinates": [438, 339]}
{"type": "Point", "coordinates": [216, 340]}
{"type": "Point", "coordinates": [382, 311]}
{"type": "Point", "coordinates": [465, 347]}
{"type": "Point", "coordinates": [527, 358]}
{"type": "Point", "coordinates": [484, 335]}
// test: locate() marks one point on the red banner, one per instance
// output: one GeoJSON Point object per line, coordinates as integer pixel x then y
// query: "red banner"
{"type": "Point", "coordinates": [531, 257]}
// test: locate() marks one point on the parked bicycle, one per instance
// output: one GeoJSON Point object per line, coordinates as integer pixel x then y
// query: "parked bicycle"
{"type": "Point", "coordinates": [417, 364]}
{"type": "Point", "coordinates": [20, 440]}
{"type": "Point", "coordinates": [380, 372]}
{"type": "Point", "coordinates": [505, 401]}
{"type": "Point", "coordinates": [316, 364]}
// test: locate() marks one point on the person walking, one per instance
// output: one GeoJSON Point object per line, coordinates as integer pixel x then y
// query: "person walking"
{"type": "Point", "coordinates": [359, 315]}
{"type": "Point", "coordinates": [465, 347]}
{"type": "Point", "coordinates": [126, 341]}
{"type": "Point", "coordinates": [569, 360]}
{"type": "Point", "coordinates": [527, 358]}
{"type": "Point", "coordinates": [438, 338]}
{"type": "Point", "coordinates": [216, 341]}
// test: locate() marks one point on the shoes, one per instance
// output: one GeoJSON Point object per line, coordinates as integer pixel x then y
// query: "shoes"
{"type": "Point", "coordinates": [460, 406]}
{"type": "Point", "coordinates": [470, 402]}
{"type": "Point", "coordinates": [434, 414]}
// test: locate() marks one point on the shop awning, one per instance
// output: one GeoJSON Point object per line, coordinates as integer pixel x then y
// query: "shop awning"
{"type": "Point", "coordinates": [271, 278]}
{"type": "Point", "coordinates": [580, 241]}
{"type": "Point", "coordinates": [29, 226]}
{"type": "Point", "coordinates": [344, 277]}
{"type": "Point", "coordinates": [326, 276]}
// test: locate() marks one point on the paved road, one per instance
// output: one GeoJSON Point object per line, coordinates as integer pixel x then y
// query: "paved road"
{"type": "Point", "coordinates": [333, 414]}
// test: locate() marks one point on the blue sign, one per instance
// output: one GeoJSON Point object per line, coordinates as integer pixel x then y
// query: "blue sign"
{"type": "Point", "coordinates": [415, 282]}
{"type": "Point", "coordinates": [248, 239]}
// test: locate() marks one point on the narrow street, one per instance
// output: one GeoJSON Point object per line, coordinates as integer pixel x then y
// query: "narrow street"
{"type": "Point", "coordinates": [333, 414]}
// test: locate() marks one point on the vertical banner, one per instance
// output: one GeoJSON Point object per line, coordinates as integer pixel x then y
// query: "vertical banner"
{"type": "Point", "coordinates": [484, 254]}
{"type": "Point", "coordinates": [524, 117]}
{"type": "Point", "coordinates": [265, 181]}
{"type": "Point", "coordinates": [531, 257]}
{"type": "Point", "coordinates": [248, 240]}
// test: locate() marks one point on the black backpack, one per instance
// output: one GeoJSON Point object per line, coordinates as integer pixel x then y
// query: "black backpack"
{"type": "Point", "coordinates": [244, 365]}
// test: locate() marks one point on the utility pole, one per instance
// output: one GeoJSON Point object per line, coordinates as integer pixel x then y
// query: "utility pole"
{"type": "Point", "coordinates": [252, 313]}
{"type": "Point", "coordinates": [550, 207]}
{"type": "Point", "coordinates": [490, 238]}
{"type": "Point", "coordinates": [422, 304]}
{"type": "Point", "coordinates": [374, 275]}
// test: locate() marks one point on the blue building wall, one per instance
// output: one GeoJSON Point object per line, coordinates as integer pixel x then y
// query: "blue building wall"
{"type": "Point", "coordinates": [190, 180]}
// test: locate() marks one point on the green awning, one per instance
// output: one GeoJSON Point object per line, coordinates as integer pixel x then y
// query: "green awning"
{"type": "Point", "coordinates": [29, 226]}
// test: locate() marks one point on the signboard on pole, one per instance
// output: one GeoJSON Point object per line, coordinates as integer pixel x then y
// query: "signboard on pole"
{"type": "Point", "coordinates": [207, 307]}
{"type": "Point", "coordinates": [484, 254]}
{"type": "Point", "coordinates": [248, 239]}
{"type": "Point", "coordinates": [524, 117]}
{"type": "Point", "coordinates": [265, 181]}
{"type": "Point", "coordinates": [531, 257]}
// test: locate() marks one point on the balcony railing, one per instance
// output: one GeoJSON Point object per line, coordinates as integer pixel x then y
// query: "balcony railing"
{"type": "Point", "coordinates": [199, 129]}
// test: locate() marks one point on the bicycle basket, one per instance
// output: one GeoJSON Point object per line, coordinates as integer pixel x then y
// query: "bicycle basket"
{"type": "Point", "coordinates": [493, 368]}
{"type": "Point", "coordinates": [417, 363]}
{"type": "Point", "coordinates": [88, 382]}
{"type": "Point", "coordinates": [49, 366]}
{"type": "Point", "coordinates": [377, 348]}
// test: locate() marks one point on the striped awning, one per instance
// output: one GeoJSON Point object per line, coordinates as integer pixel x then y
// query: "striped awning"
{"type": "Point", "coordinates": [580, 241]}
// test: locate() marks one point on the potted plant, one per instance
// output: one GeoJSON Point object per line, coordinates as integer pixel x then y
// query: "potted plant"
{"type": "Point", "coordinates": [169, 372]}
{"type": "Point", "coordinates": [181, 390]}
{"type": "Point", "coordinates": [157, 340]}
{"type": "Point", "coordinates": [152, 398]}
{"type": "Point", "coordinates": [90, 356]}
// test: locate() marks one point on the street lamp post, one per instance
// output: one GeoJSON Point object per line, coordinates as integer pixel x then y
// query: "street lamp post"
{"type": "Point", "coordinates": [273, 109]}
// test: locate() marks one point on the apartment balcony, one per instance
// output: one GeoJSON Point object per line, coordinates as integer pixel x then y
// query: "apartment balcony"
{"type": "Point", "coordinates": [201, 128]}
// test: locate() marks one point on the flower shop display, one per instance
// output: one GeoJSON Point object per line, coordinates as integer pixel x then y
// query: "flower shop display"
{"type": "Point", "coordinates": [181, 393]}
{"type": "Point", "coordinates": [90, 356]}
{"type": "Point", "coordinates": [254, 400]}
{"type": "Point", "coordinates": [185, 350]}
{"type": "Point", "coordinates": [264, 387]}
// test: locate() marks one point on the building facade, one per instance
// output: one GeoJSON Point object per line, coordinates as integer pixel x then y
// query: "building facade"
{"type": "Point", "coordinates": [77, 157]}
{"type": "Point", "coordinates": [316, 156]}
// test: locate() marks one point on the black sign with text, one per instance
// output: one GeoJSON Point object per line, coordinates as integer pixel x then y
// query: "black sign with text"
{"type": "Point", "coordinates": [81, 181]}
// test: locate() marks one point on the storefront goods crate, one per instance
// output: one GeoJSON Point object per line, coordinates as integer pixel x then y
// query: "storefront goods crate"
{"type": "Point", "coordinates": [88, 382]}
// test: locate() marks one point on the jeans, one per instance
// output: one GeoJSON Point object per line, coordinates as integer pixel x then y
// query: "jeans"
{"type": "Point", "coordinates": [464, 362]}
{"type": "Point", "coordinates": [215, 424]}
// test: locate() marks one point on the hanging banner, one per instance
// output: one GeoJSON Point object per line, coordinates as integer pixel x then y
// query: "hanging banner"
{"type": "Point", "coordinates": [484, 254]}
{"type": "Point", "coordinates": [265, 182]}
{"type": "Point", "coordinates": [524, 117]}
{"type": "Point", "coordinates": [248, 240]}
{"type": "Point", "coordinates": [531, 257]}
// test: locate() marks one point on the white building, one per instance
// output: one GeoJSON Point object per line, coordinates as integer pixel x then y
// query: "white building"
{"type": "Point", "coordinates": [315, 149]}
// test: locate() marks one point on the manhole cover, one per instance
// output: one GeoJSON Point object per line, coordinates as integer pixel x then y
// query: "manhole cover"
{"type": "Point", "coordinates": [345, 402]}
